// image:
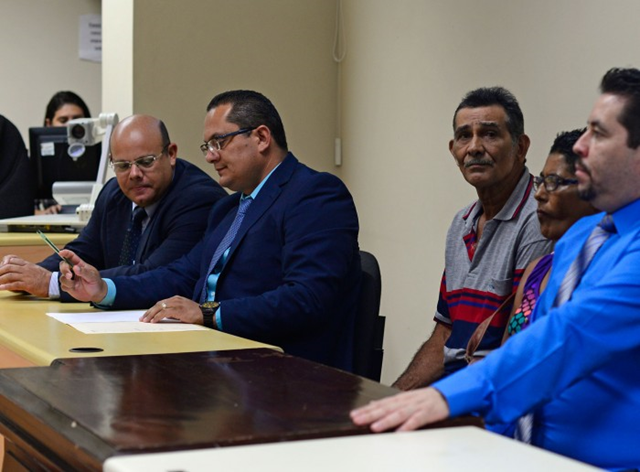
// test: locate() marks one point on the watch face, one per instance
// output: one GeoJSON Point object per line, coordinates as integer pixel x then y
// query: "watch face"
{"type": "Point", "coordinates": [211, 305]}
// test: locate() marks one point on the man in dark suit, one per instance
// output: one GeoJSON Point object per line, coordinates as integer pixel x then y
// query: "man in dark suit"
{"type": "Point", "coordinates": [279, 262]}
{"type": "Point", "coordinates": [176, 198]}
{"type": "Point", "coordinates": [16, 186]}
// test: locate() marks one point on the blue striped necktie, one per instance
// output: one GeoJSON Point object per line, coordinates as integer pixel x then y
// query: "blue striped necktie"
{"type": "Point", "coordinates": [604, 229]}
{"type": "Point", "coordinates": [598, 236]}
{"type": "Point", "coordinates": [226, 242]}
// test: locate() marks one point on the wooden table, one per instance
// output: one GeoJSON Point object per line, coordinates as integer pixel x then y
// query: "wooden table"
{"type": "Point", "coordinates": [30, 246]}
{"type": "Point", "coordinates": [441, 450]}
{"type": "Point", "coordinates": [77, 413]}
{"type": "Point", "coordinates": [28, 337]}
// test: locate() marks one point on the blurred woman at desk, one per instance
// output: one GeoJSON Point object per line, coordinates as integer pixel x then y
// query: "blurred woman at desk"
{"type": "Point", "coordinates": [63, 107]}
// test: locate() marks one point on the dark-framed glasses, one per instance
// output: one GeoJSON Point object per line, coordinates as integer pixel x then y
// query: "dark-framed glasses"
{"type": "Point", "coordinates": [144, 162]}
{"type": "Point", "coordinates": [551, 182]}
{"type": "Point", "coordinates": [217, 143]}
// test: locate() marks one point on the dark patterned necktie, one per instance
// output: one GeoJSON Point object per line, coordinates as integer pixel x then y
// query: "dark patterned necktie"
{"type": "Point", "coordinates": [132, 238]}
{"type": "Point", "coordinates": [604, 229]}
{"type": "Point", "coordinates": [226, 241]}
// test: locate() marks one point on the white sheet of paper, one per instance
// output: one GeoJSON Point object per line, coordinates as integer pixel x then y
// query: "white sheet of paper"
{"type": "Point", "coordinates": [98, 316]}
{"type": "Point", "coordinates": [119, 322]}
{"type": "Point", "coordinates": [133, 327]}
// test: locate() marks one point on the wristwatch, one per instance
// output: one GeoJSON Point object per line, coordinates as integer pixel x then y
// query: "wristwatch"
{"type": "Point", "coordinates": [208, 313]}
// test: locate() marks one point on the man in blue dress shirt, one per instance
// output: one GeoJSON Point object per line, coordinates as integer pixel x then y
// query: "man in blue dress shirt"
{"type": "Point", "coordinates": [575, 370]}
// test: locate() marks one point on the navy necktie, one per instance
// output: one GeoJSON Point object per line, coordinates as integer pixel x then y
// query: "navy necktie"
{"type": "Point", "coordinates": [604, 229]}
{"type": "Point", "coordinates": [132, 238]}
{"type": "Point", "coordinates": [226, 242]}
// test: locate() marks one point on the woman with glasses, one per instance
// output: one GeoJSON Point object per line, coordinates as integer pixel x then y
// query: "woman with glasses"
{"type": "Point", "coordinates": [559, 207]}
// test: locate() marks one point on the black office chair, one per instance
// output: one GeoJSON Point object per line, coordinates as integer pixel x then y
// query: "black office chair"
{"type": "Point", "coordinates": [369, 327]}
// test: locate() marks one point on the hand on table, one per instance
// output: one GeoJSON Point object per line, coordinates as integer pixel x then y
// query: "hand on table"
{"type": "Point", "coordinates": [52, 210]}
{"type": "Point", "coordinates": [18, 275]}
{"type": "Point", "coordinates": [406, 411]}
{"type": "Point", "coordinates": [178, 308]}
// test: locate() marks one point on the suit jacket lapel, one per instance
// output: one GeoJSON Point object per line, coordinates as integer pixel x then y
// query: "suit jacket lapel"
{"type": "Point", "coordinates": [266, 197]}
{"type": "Point", "coordinates": [120, 214]}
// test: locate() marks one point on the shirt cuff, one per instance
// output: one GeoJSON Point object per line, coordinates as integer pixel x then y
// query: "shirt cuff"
{"type": "Point", "coordinates": [109, 298]}
{"type": "Point", "coordinates": [219, 318]}
{"type": "Point", "coordinates": [54, 286]}
{"type": "Point", "coordinates": [465, 391]}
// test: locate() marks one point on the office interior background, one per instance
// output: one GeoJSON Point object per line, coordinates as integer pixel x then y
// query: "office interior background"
{"type": "Point", "coordinates": [390, 100]}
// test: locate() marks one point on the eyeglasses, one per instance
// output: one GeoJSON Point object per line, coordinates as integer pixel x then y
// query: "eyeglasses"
{"type": "Point", "coordinates": [551, 182]}
{"type": "Point", "coordinates": [144, 162]}
{"type": "Point", "coordinates": [217, 142]}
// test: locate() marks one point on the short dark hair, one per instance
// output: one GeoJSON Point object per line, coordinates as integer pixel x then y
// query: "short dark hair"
{"type": "Point", "coordinates": [251, 109]}
{"type": "Point", "coordinates": [488, 96]}
{"type": "Point", "coordinates": [164, 134]}
{"type": "Point", "coordinates": [626, 83]}
{"type": "Point", "coordinates": [563, 144]}
{"type": "Point", "coordinates": [63, 98]}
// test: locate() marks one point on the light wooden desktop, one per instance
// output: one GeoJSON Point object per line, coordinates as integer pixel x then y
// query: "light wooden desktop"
{"type": "Point", "coordinates": [28, 337]}
{"type": "Point", "coordinates": [442, 450]}
{"type": "Point", "coordinates": [30, 246]}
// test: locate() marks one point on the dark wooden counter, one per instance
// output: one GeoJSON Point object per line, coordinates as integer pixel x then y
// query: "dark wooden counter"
{"type": "Point", "coordinates": [78, 412]}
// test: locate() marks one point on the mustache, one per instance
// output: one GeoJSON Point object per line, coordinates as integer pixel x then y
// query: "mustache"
{"type": "Point", "coordinates": [478, 162]}
{"type": "Point", "coordinates": [580, 165]}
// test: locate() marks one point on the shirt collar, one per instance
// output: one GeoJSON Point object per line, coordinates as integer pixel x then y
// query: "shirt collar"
{"type": "Point", "coordinates": [626, 218]}
{"type": "Point", "coordinates": [149, 209]}
{"type": "Point", "coordinates": [255, 192]}
{"type": "Point", "coordinates": [516, 201]}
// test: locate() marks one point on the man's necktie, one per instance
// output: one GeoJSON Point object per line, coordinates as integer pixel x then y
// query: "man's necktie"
{"type": "Point", "coordinates": [598, 236]}
{"type": "Point", "coordinates": [226, 242]}
{"type": "Point", "coordinates": [604, 229]}
{"type": "Point", "coordinates": [132, 238]}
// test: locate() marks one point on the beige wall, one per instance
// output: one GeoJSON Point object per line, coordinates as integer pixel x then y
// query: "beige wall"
{"type": "Point", "coordinates": [39, 57]}
{"type": "Point", "coordinates": [408, 64]}
{"type": "Point", "coordinates": [185, 52]}
{"type": "Point", "coordinates": [117, 57]}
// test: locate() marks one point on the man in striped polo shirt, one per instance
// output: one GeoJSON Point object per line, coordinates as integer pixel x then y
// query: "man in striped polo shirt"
{"type": "Point", "coordinates": [490, 242]}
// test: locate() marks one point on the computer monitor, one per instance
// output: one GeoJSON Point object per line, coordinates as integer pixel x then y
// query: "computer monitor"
{"type": "Point", "coordinates": [51, 163]}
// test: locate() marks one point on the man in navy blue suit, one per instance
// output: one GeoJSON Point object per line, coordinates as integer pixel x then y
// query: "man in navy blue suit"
{"type": "Point", "coordinates": [176, 197]}
{"type": "Point", "coordinates": [16, 186]}
{"type": "Point", "coordinates": [279, 262]}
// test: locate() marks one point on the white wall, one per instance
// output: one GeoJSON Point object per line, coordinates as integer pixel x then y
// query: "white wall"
{"type": "Point", "coordinates": [39, 57]}
{"type": "Point", "coordinates": [408, 64]}
{"type": "Point", "coordinates": [185, 52]}
{"type": "Point", "coordinates": [117, 57]}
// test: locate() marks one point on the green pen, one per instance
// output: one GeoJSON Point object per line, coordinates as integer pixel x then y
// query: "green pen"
{"type": "Point", "coordinates": [55, 249]}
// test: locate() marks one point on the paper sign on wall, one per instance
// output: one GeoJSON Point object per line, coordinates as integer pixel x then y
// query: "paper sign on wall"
{"type": "Point", "coordinates": [91, 38]}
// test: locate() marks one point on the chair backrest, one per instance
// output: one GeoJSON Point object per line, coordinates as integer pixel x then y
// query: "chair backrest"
{"type": "Point", "coordinates": [369, 327]}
